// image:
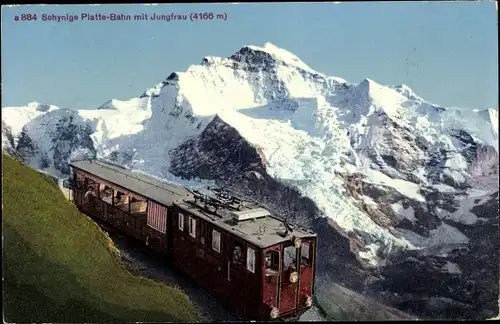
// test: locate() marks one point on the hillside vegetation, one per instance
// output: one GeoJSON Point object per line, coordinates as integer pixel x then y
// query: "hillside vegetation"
{"type": "Point", "coordinates": [59, 266]}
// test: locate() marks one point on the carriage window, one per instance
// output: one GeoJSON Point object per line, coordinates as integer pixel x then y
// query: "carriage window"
{"type": "Point", "coordinates": [216, 240]}
{"type": "Point", "coordinates": [80, 181]}
{"type": "Point", "coordinates": [289, 257]}
{"type": "Point", "coordinates": [273, 260]}
{"type": "Point", "coordinates": [107, 195]}
{"type": "Point", "coordinates": [116, 197]}
{"type": "Point", "coordinates": [306, 253]}
{"type": "Point", "coordinates": [91, 191]}
{"type": "Point", "coordinates": [192, 226]}
{"type": "Point", "coordinates": [251, 260]}
{"type": "Point", "coordinates": [238, 253]}
{"type": "Point", "coordinates": [181, 222]}
{"type": "Point", "coordinates": [120, 198]}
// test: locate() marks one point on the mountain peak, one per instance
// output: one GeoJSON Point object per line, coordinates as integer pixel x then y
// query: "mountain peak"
{"type": "Point", "coordinates": [276, 51]}
{"type": "Point", "coordinates": [39, 107]}
{"type": "Point", "coordinates": [269, 55]}
{"type": "Point", "coordinates": [366, 86]}
{"type": "Point", "coordinates": [367, 83]}
{"type": "Point", "coordinates": [406, 91]}
{"type": "Point", "coordinates": [110, 104]}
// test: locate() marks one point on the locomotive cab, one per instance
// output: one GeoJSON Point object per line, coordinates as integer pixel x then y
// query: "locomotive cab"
{"type": "Point", "coordinates": [288, 277]}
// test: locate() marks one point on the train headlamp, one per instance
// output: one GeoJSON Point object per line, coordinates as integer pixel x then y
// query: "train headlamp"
{"type": "Point", "coordinates": [274, 312]}
{"type": "Point", "coordinates": [297, 242]}
{"type": "Point", "coordinates": [308, 301]}
{"type": "Point", "coordinates": [294, 276]}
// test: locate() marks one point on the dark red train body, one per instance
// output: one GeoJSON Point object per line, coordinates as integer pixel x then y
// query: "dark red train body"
{"type": "Point", "coordinates": [254, 263]}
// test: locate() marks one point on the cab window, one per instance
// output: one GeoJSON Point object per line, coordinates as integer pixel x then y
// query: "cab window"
{"type": "Point", "coordinates": [192, 226]}
{"type": "Point", "coordinates": [272, 262]}
{"type": "Point", "coordinates": [238, 253]}
{"type": "Point", "coordinates": [289, 257]}
{"type": "Point", "coordinates": [305, 253]}
{"type": "Point", "coordinates": [251, 259]}
{"type": "Point", "coordinates": [216, 240]}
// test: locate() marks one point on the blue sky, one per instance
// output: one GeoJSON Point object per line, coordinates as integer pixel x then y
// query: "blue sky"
{"type": "Point", "coordinates": [446, 52]}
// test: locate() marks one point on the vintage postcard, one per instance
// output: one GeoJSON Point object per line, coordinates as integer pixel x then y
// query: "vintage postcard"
{"type": "Point", "coordinates": [214, 162]}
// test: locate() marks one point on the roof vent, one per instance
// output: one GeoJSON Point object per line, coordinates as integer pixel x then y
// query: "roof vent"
{"type": "Point", "coordinates": [282, 230]}
{"type": "Point", "coordinates": [250, 214]}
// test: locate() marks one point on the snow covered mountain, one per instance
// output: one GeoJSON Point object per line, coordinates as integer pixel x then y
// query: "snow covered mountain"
{"type": "Point", "coordinates": [404, 193]}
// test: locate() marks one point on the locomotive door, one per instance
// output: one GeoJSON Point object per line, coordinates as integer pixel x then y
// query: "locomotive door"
{"type": "Point", "coordinates": [307, 256]}
{"type": "Point", "coordinates": [80, 184]}
{"type": "Point", "coordinates": [271, 276]}
{"type": "Point", "coordinates": [235, 263]}
{"type": "Point", "coordinates": [78, 197]}
{"type": "Point", "coordinates": [289, 279]}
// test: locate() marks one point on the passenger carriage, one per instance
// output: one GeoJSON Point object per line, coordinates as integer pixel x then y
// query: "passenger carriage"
{"type": "Point", "coordinates": [255, 263]}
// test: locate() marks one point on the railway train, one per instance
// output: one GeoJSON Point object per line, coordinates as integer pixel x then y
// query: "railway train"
{"type": "Point", "coordinates": [254, 263]}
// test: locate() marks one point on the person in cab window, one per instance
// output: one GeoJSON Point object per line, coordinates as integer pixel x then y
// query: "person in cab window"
{"type": "Point", "coordinates": [237, 254]}
{"type": "Point", "coordinates": [108, 197]}
{"type": "Point", "coordinates": [119, 199]}
{"type": "Point", "coordinates": [269, 261]}
{"type": "Point", "coordinates": [90, 192]}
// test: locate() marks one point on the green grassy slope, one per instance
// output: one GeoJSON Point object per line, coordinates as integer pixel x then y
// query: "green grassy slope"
{"type": "Point", "coordinates": [59, 266]}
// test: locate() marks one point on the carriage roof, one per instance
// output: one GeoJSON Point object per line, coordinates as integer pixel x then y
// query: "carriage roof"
{"type": "Point", "coordinates": [263, 230]}
{"type": "Point", "coordinates": [256, 225]}
{"type": "Point", "coordinates": [134, 181]}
